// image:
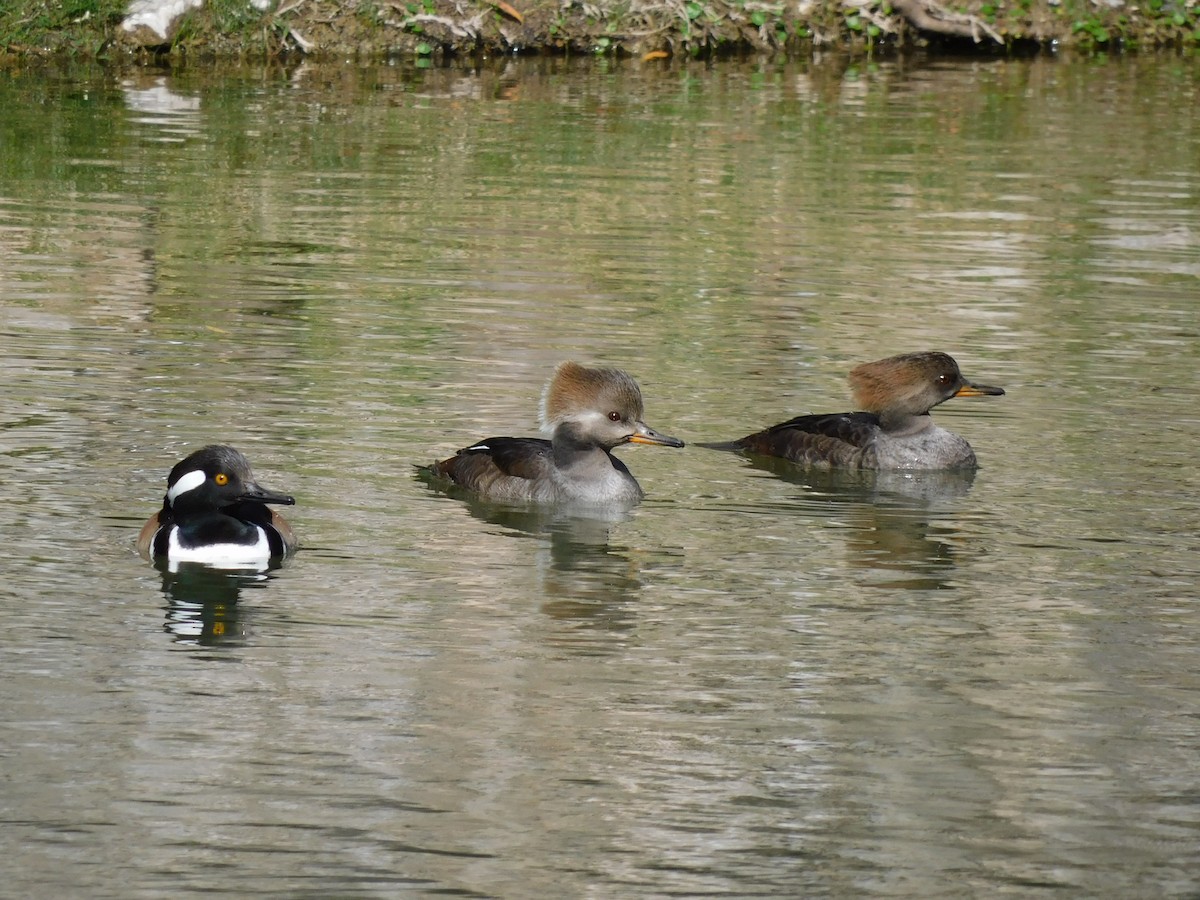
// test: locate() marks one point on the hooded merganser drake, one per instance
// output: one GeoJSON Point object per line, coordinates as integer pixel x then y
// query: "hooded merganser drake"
{"type": "Point", "coordinates": [894, 430]}
{"type": "Point", "coordinates": [588, 412]}
{"type": "Point", "coordinates": [215, 512]}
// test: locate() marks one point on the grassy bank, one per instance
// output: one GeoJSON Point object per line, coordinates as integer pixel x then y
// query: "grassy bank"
{"type": "Point", "coordinates": [655, 28]}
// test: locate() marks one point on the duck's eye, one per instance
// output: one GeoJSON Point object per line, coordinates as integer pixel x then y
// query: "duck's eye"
{"type": "Point", "coordinates": [221, 478]}
{"type": "Point", "coordinates": [614, 416]}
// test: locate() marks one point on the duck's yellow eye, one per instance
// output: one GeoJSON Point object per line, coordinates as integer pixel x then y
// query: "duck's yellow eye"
{"type": "Point", "coordinates": [221, 478]}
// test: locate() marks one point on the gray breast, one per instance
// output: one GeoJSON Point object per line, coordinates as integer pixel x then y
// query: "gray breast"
{"type": "Point", "coordinates": [934, 448]}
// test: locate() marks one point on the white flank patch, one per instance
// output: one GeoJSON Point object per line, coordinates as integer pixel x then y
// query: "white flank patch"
{"type": "Point", "coordinates": [157, 15]}
{"type": "Point", "coordinates": [479, 447]}
{"type": "Point", "coordinates": [188, 482]}
{"type": "Point", "coordinates": [222, 556]}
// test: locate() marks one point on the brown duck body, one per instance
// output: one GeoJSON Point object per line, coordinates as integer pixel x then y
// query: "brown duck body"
{"type": "Point", "coordinates": [588, 412]}
{"type": "Point", "coordinates": [894, 429]}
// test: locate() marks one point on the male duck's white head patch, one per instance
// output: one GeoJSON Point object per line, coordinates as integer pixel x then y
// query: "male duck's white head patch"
{"type": "Point", "coordinates": [188, 482]}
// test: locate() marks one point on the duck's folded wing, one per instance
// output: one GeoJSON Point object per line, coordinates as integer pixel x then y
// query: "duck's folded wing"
{"type": "Point", "coordinates": [478, 466]}
{"type": "Point", "coordinates": [834, 438]}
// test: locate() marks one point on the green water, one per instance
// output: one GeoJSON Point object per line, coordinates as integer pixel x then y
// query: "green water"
{"type": "Point", "coordinates": [757, 682]}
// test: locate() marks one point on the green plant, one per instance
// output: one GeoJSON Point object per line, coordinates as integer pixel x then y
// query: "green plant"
{"type": "Point", "coordinates": [1094, 29]}
{"type": "Point", "coordinates": [74, 26]}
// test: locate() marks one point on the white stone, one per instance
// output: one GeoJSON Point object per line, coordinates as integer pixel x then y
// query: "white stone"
{"type": "Point", "coordinates": [157, 15]}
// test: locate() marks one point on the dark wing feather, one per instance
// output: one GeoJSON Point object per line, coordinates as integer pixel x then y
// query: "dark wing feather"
{"type": "Point", "coordinates": [499, 467]}
{"type": "Point", "coordinates": [836, 439]}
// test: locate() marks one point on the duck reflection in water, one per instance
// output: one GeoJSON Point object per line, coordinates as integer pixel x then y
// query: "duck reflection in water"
{"type": "Point", "coordinates": [202, 601]}
{"type": "Point", "coordinates": [570, 488]}
{"type": "Point", "coordinates": [886, 466]}
{"type": "Point", "coordinates": [588, 583]}
{"type": "Point", "coordinates": [896, 524]}
{"type": "Point", "coordinates": [214, 536]}
{"type": "Point", "coordinates": [215, 512]}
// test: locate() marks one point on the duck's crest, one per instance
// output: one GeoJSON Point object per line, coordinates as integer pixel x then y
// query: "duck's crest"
{"type": "Point", "coordinates": [575, 389]}
{"type": "Point", "coordinates": [898, 382]}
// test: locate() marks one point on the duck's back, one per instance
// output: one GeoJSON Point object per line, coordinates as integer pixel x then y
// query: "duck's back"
{"type": "Point", "coordinates": [502, 468]}
{"type": "Point", "coordinates": [525, 470]}
{"type": "Point", "coordinates": [834, 440]}
{"type": "Point", "coordinates": [857, 441]}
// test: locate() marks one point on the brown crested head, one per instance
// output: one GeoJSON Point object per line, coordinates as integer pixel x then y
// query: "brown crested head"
{"type": "Point", "coordinates": [910, 384]}
{"type": "Point", "coordinates": [576, 389]}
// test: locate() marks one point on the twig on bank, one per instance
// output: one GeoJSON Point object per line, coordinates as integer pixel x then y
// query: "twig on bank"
{"type": "Point", "coordinates": [927, 15]}
{"type": "Point", "coordinates": [304, 45]}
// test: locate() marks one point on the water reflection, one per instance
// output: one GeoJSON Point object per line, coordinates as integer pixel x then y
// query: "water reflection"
{"type": "Point", "coordinates": [891, 519]}
{"type": "Point", "coordinates": [202, 601]}
{"type": "Point", "coordinates": [725, 693]}
{"type": "Point", "coordinates": [931, 488]}
{"type": "Point", "coordinates": [587, 583]}
{"type": "Point", "coordinates": [173, 117]}
{"type": "Point", "coordinates": [589, 588]}
{"type": "Point", "coordinates": [581, 524]}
